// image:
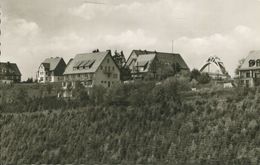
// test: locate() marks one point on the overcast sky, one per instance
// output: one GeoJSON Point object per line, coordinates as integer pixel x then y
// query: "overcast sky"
{"type": "Point", "coordinates": [33, 30]}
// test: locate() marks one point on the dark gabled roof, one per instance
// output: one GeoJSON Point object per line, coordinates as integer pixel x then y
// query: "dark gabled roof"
{"type": "Point", "coordinates": [46, 65]}
{"type": "Point", "coordinates": [172, 57]}
{"type": "Point", "coordinates": [92, 60]}
{"type": "Point", "coordinates": [162, 57]}
{"type": "Point", "coordinates": [11, 69]}
{"type": "Point", "coordinates": [51, 63]}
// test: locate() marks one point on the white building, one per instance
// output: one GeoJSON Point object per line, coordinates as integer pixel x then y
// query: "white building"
{"type": "Point", "coordinates": [51, 70]}
{"type": "Point", "coordinates": [249, 72]}
{"type": "Point", "coordinates": [91, 69]}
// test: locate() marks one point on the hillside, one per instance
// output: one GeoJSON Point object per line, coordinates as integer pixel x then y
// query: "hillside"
{"type": "Point", "coordinates": [138, 123]}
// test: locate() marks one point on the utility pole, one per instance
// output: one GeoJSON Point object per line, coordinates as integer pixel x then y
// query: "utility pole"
{"type": "Point", "coordinates": [172, 45]}
{"type": "Point", "coordinates": [0, 30]}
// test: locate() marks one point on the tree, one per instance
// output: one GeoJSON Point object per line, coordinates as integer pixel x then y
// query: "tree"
{"type": "Point", "coordinates": [195, 74]}
{"type": "Point", "coordinates": [204, 78]}
{"type": "Point", "coordinates": [125, 74]}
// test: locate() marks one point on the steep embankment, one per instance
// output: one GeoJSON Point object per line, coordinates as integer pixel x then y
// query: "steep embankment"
{"type": "Point", "coordinates": [205, 127]}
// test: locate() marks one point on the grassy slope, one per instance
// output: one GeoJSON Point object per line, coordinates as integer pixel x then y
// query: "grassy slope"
{"type": "Point", "coordinates": [209, 126]}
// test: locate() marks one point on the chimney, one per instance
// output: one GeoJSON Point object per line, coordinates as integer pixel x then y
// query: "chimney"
{"type": "Point", "coordinates": [95, 51]}
{"type": "Point", "coordinates": [109, 51]}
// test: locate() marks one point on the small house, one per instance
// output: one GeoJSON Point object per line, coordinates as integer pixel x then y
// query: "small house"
{"type": "Point", "coordinates": [9, 73]}
{"type": "Point", "coordinates": [154, 65]}
{"type": "Point", "coordinates": [51, 70]}
{"type": "Point", "coordinates": [249, 72]}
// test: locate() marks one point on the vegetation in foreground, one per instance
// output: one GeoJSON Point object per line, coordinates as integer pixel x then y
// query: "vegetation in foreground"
{"type": "Point", "coordinates": [133, 123]}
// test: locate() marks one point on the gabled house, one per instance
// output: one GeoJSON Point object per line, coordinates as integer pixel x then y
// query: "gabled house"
{"type": "Point", "coordinates": [154, 65]}
{"type": "Point", "coordinates": [51, 70]}
{"type": "Point", "coordinates": [90, 69]}
{"type": "Point", "coordinates": [9, 73]}
{"type": "Point", "coordinates": [249, 72]}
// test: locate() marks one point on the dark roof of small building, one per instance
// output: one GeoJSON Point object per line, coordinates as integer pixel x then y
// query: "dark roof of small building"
{"type": "Point", "coordinates": [253, 55]}
{"type": "Point", "coordinates": [91, 60]}
{"type": "Point", "coordinates": [11, 69]}
{"type": "Point", "coordinates": [51, 63]}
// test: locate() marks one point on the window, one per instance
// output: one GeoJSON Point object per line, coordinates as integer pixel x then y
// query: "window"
{"type": "Point", "coordinates": [247, 74]}
{"type": "Point", "coordinates": [258, 62]}
{"type": "Point", "coordinates": [257, 75]}
{"type": "Point", "coordinates": [107, 60]}
{"type": "Point", "coordinates": [115, 75]}
{"type": "Point", "coordinates": [101, 67]}
{"type": "Point", "coordinates": [89, 83]}
{"type": "Point", "coordinates": [251, 63]}
{"type": "Point", "coordinates": [113, 68]}
{"type": "Point", "coordinates": [247, 83]}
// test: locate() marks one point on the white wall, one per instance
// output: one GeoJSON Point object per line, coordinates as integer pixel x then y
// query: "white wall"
{"type": "Point", "coordinates": [101, 78]}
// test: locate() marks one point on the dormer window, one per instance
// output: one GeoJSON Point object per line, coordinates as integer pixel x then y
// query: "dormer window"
{"type": "Point", "coordinates": [83, 64]}
{"type": "Point", "coordinates": [251, 63]}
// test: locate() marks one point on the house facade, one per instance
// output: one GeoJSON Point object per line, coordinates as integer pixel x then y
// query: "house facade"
{"type": "Point", "coordinates": [249, 72]}
{"type": "Point", "coordinates": [9, 73]}
{"type": "Point", "coordinates": [91, 69]}
{"type": "Point", "coordinates": [152, 64]}
{"type": "Point", "coordinates": [51, 70]}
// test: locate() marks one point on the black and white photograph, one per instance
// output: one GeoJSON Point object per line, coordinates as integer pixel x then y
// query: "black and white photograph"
{"type": "Point", "coordinates": [130, 82]}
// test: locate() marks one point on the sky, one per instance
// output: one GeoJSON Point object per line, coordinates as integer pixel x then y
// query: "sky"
{"type": "Point", "coordinates": [33, 30]}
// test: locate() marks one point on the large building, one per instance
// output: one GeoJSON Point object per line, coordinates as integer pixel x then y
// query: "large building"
{"type": "Point", "coordinates": [249, 72]}
{"type": "Point", "coordinates": [51, 70]}
{"type": "Point", "coordinates": [9, 73]}
{"type": "Point", "coordinates": [154, 65]}
{"type": "Point", "coordinates": [90, 69]}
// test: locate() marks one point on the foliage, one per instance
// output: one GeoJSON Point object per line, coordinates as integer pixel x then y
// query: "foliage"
{"type": "Point", "coordinates": [204, 78]}
{"type": "Point", "coordinates": [201, 78]}
{"type": "Point", "coordinates": [136, 123]}
{"type": "Point", "coordinates": [195, 74]}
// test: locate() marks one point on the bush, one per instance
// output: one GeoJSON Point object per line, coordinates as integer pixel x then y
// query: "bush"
{"type": "Point", "coordinates": [204, 78]}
